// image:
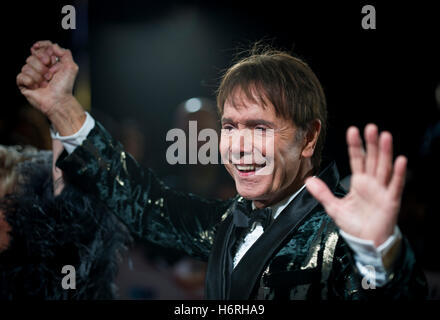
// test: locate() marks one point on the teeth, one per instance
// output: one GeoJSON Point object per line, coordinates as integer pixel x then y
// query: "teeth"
{"type": "Point", "coordinates": [246, 168]}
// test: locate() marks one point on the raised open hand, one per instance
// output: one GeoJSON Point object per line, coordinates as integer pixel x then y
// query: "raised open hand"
{"type": "Point", "coordinates": [369, 211]}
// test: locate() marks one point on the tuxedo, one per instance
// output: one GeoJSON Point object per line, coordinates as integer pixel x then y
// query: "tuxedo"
{"type": "Point", "coordinates": [299, 256]}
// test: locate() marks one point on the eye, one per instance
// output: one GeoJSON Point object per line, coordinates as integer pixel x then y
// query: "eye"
{"type": "Point", "coordinates": [227, 127]}
{"type": "Point", "coordinates": [260, 129]}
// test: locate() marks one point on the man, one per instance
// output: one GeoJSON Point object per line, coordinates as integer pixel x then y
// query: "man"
{"type": "Point", "coordinates": [286, 235]}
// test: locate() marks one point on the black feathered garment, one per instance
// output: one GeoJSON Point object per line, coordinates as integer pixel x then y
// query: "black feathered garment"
{"type": "Point", "coordinates": [50, 232]}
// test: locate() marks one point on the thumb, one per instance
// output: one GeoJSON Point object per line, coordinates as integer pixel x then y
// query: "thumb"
{"type": "Point", "coordinates": [28, 93]}
{"type": "Point", "coordinates": [32, 96]}
{"type": "Point", "coordinates": [322, 193]}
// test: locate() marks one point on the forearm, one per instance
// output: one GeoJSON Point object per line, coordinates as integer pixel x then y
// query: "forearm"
{"type": "Point", "coordinates": [68, 116]}
{"type": "Point", "coordinates": [57, 174]}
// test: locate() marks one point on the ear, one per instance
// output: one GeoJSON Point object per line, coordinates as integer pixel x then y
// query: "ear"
{"type": "Point", "coordinates": [311, 137]}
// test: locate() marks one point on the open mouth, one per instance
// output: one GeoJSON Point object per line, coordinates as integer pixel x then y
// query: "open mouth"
{"type": "Point", "coordinates": [248, 169]}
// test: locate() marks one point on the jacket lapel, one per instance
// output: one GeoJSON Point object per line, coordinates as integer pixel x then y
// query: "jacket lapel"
{"type": "Point", "coordinates": [245, 275]}
{"type": "Point", "coordinates": [218, 276]}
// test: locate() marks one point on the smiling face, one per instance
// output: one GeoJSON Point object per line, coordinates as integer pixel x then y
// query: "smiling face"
{"type": "Point", "coordinates": [289, 161]}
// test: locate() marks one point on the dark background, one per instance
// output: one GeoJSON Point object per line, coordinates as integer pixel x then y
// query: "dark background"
{"type": "Point", "coordinates": [140, 60]}
{"type": "Point", "coordinates": [147, 57]}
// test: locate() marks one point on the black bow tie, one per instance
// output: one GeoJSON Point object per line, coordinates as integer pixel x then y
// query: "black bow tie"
{"type": "Point", "coordinates": [263, 216]}
{"type": "Point", "coordinates": [245, 217]}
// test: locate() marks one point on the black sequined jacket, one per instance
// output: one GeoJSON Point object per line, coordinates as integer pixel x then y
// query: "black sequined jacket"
{"type": "Point", "coordinates": [295, 258]}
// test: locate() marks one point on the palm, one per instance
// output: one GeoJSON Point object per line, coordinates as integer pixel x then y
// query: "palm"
{"type": "Point", "coordinates": [369, 211]}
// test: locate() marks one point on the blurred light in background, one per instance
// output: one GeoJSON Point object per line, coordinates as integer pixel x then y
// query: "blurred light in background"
{"type": "Point", "coordinates": [193, 105]}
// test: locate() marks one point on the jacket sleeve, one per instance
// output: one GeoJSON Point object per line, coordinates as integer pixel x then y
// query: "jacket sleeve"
{"type": "Point", "coordinates": [151, 211]}
{"type": "Point", "coordinates": [405, 282]}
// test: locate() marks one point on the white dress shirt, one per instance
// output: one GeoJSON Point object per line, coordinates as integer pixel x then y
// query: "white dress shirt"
{"type": "Point", "coordinates": [366, 255]}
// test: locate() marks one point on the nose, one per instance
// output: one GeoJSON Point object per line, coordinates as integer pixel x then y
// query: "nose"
{"type": "Point", "coordinates": [241, 145]}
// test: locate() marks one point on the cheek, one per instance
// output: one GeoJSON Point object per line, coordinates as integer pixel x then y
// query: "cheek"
{"type": "Point", "coordinates": [224, 153]}
{"type": "Point", "coordinates": [223, 148]}
{"type": "Point", "coordinates": [221, 145]}
{"type": "Point", "coordinates": [269, 146]}
{"type": "Point", "coordinates": [287, 161]}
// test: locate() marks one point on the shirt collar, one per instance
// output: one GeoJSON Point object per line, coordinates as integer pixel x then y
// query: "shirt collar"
{"type": "Point", "coordinates": [277, 208]}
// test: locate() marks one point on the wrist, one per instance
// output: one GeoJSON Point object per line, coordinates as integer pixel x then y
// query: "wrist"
{"type": "Point", "coordinates": [385, 236]}
{"type": "Point", "coordinates": [67, 115]}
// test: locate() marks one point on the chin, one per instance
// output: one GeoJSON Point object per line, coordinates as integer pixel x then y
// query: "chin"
{"type": "Point", "coordinates": [250, 192]}
{"type": "Point", "coordinates": [251, 187]}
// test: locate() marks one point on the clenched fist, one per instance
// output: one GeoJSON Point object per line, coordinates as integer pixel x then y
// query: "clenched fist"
{"type": "Point", "coordinates": [46, 80]}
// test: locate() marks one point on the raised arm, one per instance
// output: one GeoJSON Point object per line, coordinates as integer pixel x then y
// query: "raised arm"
{"type": "Point", "coordinates": [100, 167]}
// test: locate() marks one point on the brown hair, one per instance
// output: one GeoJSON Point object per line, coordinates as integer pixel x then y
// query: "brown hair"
{"type": "Point", "coordinates": [8, 175]}
{"type": "Point", "coordinates": [10, 159]}
{"type": "Point", "coordinates": [286, 81]}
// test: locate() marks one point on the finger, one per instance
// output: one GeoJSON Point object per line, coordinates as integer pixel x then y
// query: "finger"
{"type": "Point", "coordinates": [398, 179]}
{"type": "Point", "coordinates": [42, 44]}
{"type": "Point", "coordinates": [54, 68]}
{"type": "Point", "coordinates": [24, 81]}
{"type": "Point", "coordinates": [29, 93]}
{"type": "Point", "coordinates": [49, 51]}
{"type": "Point", "coordinates": [355, 150]}
{"type": "Point", "coordinates": [385, 158]}
{"type": "Point", "coordinates": [54, 59]}
{"type": "Point", "coordinates": [42, 55]}
{"type": "Point", "coordinates": [30, 72]}
{"type": "Point", "coordinates": [66, 59]}
{"type": "Point", "coordinates": [58, 50]}
{"type": "Point", "coordinates": [371, 140]}
{"type": "Point", "coordinates": [322, 193]}
{"type": "Point", "coordinates": [63, 54]}
{"type": "Point", "coordinates": [36, 64]}
{"type": "Point", "coordinates": [44, 83]}
{"type": "Point", "coordinates": [49, 74]}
